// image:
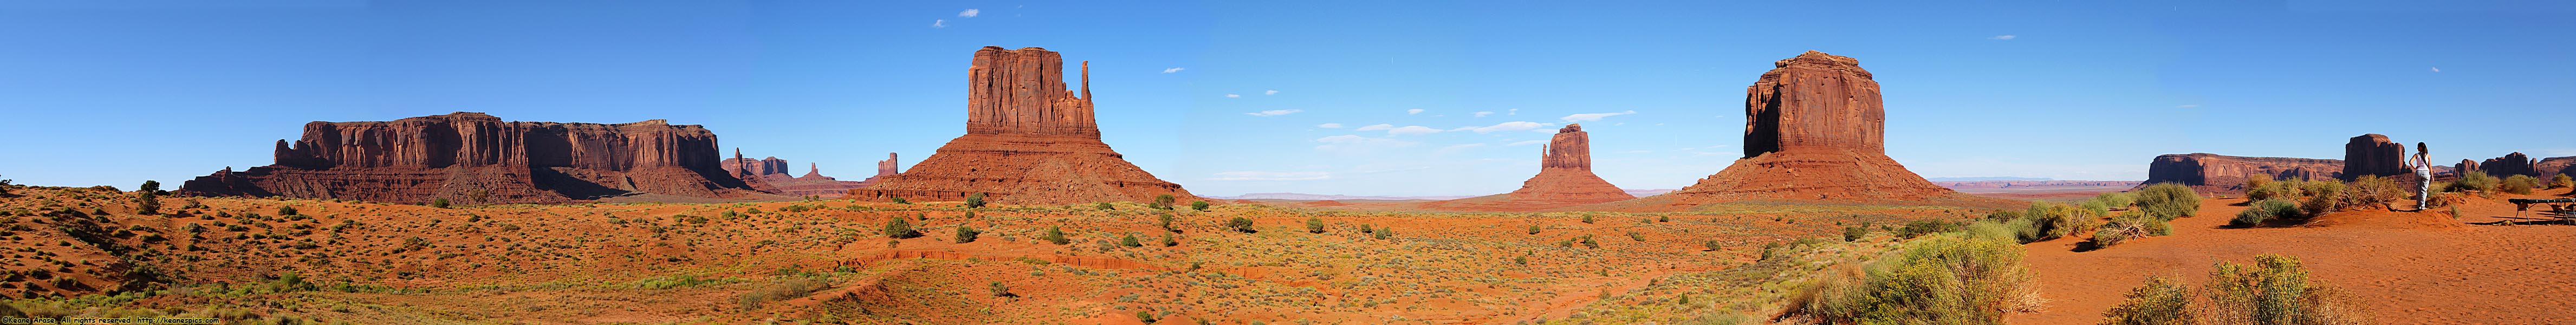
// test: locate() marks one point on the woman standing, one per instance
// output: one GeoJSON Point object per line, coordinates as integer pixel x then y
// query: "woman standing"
{"type": "Point", "coordinates": [2423, 163]}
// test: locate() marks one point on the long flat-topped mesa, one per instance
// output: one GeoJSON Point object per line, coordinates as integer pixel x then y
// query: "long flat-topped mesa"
{"type": "Point", "coordinates": [477, 158]}
{"type": "Point", "coordinates": [1028, 141]}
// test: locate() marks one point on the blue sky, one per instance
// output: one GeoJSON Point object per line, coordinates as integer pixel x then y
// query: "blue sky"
{"type": "Point", "coordinates": [117, 92]}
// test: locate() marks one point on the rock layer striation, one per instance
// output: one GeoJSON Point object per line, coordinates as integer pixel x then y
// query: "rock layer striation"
{"type": "Point", "coordinates": [1028, 141]}
{"type": "Point", "coordinates": [1814, 131]}
{"type": "Point", "coordinates": [477, 158]}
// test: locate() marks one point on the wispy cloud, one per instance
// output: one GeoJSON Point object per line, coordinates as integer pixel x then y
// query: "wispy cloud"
{"type": "Point", "coordinates": [1276, 112]}
{"type": "Point", "coordinates": [1530, 142]}
{"type": "Point", "coordinates": [1514, 111]}
{"type": "Point", "coordinates": [1511, 126]}
{"type": "Point", "coordinates": [1270, 92]}
{"type": "Point", "coordinates": [1377, 127]}
{"type": "Point", "coordinates": [1270, 176]}
{"type": "Point", "coordinates": [1329, 125]}
{"type": "Point", "coordinates": [1484, 113]}
{"type": "Point", "coordinates": [1412, 130]}
{"type": "Point", "coordinates": [1413, 111]}
{"type": "Point", "coordinates": [1594, 116]}
{"type": "Point", "coordinates": [1171, 70]}
{"type": "Point", "coordinates": [2437, 69]}
{"type": "Point", "coordinates": [2003, 37]}
{"type": "Point", "coordinates": [939, 23]}
{"type": "Point", "coordinates": [1233, 96]}
{"type": "Point", "coordinates": [969, 13]}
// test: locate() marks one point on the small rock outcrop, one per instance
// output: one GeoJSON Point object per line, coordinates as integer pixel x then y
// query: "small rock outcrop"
{"type": "Point", "coordinates": [1814, 131]}
{"type": "Point", "coordinates": [887, 167]}
{"type": "Point", "coordinates": [1564, 179]}
{"type": "Point", "coordinates": [2374, 154]}
{"type": "Point", "coordinates": [771, 175]}
{"type": "Point", "coordinates": [2553, 166]}
{"type": "Point", "coordinates": [1028, 141]}
{"type": "Point", "coordinates": [2509, 165]}
{"type": "Point", "coordinates": [477, 158]}
{"type": "Point", "coordinates": [2220, 174]}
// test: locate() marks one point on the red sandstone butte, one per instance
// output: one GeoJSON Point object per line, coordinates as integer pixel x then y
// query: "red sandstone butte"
{"type": "Point", "coordinates": [465, 156]}
{"type": "Point", "coordinates": [2219, 174]}
{"type": "Point", "coordinates": [2552, 166]}
{"type": "Point", "coordinates": [770, 175]}
{"type": "Point", "coordinates": [2374, 154]}
{"type": "Point", "coordinates": [1814, 131]}
{"type": "Point", "coordinates": [1028, 141]}
{"type": "Point", "coordinates": [1564, 179]}
{"type": "Point", "coordinates": [2509, 165]}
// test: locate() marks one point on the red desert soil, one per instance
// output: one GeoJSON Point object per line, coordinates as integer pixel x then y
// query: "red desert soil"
{"type": "Point", "coordinates": [2413, 267]}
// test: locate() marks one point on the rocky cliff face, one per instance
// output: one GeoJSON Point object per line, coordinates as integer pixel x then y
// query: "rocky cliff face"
{"type": "Point", "coordinates": [2547, 167]}
{"type": "Point", "coordinates": [1813, 131]}
{"type": "Point", "coordinates": [1028, 141]}
{"type": "Point", "coordinates": [887, 167]}
{"type": "Point", "coordinates": [762, 168]}
{"type": "Point", "coordinates": [1564, 179]}
{"type": "Point", "coordinates": [2210, 173]}
{"type": "Point", "coordinates": [478, 158]}
{"type": "Point", "coordinates": [2509, 165]}
{"type": "Point", "coordinates": [2374, 154]}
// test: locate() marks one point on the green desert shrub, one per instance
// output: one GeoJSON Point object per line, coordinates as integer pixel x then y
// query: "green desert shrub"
{"type": "Point", "coordinates": [2161, 301]}
{"type": "Point", "coordinates": [2129, 226]}
{"type": "Point", "coordinates": [2262, 187]}
{"type": "Point", "coordinates": [975, 200]}
{"type": "Point", "coordinates": [1939, 280]}
{"type": "Point", "coordinates": [1202, 206]}
{"type": "Point", "coordinates": [438, 203]}
{"type": "Point", "coordinates": [1165, 220]}
{"type": "Point", "coordinates": [897, 228]}
{"type": "Point", "coordinates": [899, 200]}
{"type": "Point", "coordinates": [1712, 245]}
{"type": "Point", "coordinates": [147, 203]}
{"type": "Point", "coordinates": [1918, 228]}
{"type": "Point", "coordinates": [2276, 291]}
{"type": "Point", "coordinates": [1239, 224]}
{"type": "Point", "coordinates": [2168, 201]}
{"type": "Point", "coordinates": [1163, 201]}
{"type": "Point", "coordinates": [1055, 235]}
{"type": "Point", "coordinates": [2045, 221]}
{"type": "Point", "coordinates": [792, 288]}
{"type": "Point", "coordinates": [1314, 225]}
{"type": "Point", "coordinates": [2372, 192]}
{"type": "Point", "coordinates": [1850, 234]}
{"type": "Point", "coordinates": [2561, 181]}
{"type": "Point", "coordinates": [966, 234]}
{"type": "Point", "coordinates": [2320, 197]}
{"type": "Point", "coordinates": [1130, 241]}
{"type": "Point", "coordinates": [2475, 180]}
{"type": "Point", "coordinates": [2518, 184]}
{"type": "Point", "coordinates": [1103, 206]}
{"type": "Point", "coordinates": [2265, 211]}
{"type": "Point", "coordinates": [2115, 200]}
{"type": "Point", "coordinates": [1990, 229]}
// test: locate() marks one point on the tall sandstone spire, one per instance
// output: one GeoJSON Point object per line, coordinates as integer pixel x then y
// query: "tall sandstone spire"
{"type": "Point", "coordinates": [1564, 179]}
{"type": "Point", "coordinates": [1028, 141]}
{"type": "Point", "coordinates": [1814, 130]}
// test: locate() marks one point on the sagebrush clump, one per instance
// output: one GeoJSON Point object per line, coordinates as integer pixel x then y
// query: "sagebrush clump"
{"type": "Point", "coordinates": [2168, 201]}
{"type": "Point", "coordinates": [2518, 184]}
{"type": "Point", "coordinates": [1938, 280]}
{"type": "Point", "coordinates": [2275, 290]}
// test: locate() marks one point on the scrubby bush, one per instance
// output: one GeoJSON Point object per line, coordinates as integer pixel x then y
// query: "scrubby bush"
{"type": "Point", "coordinates": [967, 234]}
{"type": "Point", "coordinates": [2518, 184]}
{"type": "Point", "coordinates": [1055, 235]}
{"type": "Point", "coordinates": [147, 203]}
{"type": "Point", "coordinates": [1314, 225]}
{"type": "Point", "coordinates": [1000, 290]}
{"type": "Point", "coordinates": [1103, 206]}
{"type": "Point", "coordinates": [1129, 240]}
{"type": "Point", "coordinates": [975, 200]}
{"type": "Point", "coordinates": [1941, 280]}
{"type": "Point", "coordinates": [2475, 180]}
{"type": "Point", "coordinates": [2372, 192]}
{"type": "Point", "coordinates": [1165, 220]}
{"type": "Point", "coordinates": [792, 288]}
{"type": "Point", "coordinates": [2320, 197]}
{"type": "Point", "coordinates": [2445, 199]}
{"type": "Point", "coordinates": [2161, 301]}
{"type": "Point", "coordinates": [1533, 229]}
{"type": "Point", "coordinates": [1163, 201]}
{"type": "Point", "coordinates": [1384, 233]}
{"type": "Point", "coordinates": [1919, 228]}
{"type": "Point", "coordinates": [2265, 211]}
{"type": "Point", "coordinates": [899, 200]}
{"type": "Point", "coordinates": [1852, 233]}
{"type": "Point", "coordinates": [1239, 224]}
{"type": "Point", "coordinates": [2168, 201]}
{"type": "Point", "coordinates": [898, 229]}
{"type": "Point", "coordinates": [2262, 187]}
{"type": "Point", "coordinates": [438, 203]}
{"type": "Point", "coordinates": [2559, 181]}
{"type": "Point", "coordinates": [2276, 291]}
{"type": "Point", "coordinates": [1712, 245]}
{"type": "Point", "coordinates": [2115, 200]}
{"type": "Point", "coordinates": [2129, 226]}
{"type": "Point", "coordinates": [2045, 221]}
{"type": "Point", "coordinates": [1202, 206]}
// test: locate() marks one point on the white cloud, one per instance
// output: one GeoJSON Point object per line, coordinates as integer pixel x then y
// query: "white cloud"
{"type": "Point", "coordinates": [1346, 138]}
{"type": "Point", "coordinates": [1329, 125]}
{"type": "Point", "coordinates": [1594, 116]}
{"type": "Point", "coordinates": [1413, 111]}
{"type": "Point", "coordinates": [1270, 92]}
{"type": "Point", "coordinates": [2437, 69]}
{"type": "Point", "coordinates": [969, 13]}
{"type": "Point", "coordinates": [939, 23]}
{"type": "Point", "coordinates": [2003, 37]}
{"type": "Point", "coordinates": [1412, 130]}
{"type": "Point", "coordinates": [2187, 106]}
{"type": "Point", "coordinates": [1530, 142]}
{"type": "Point", "coordinates": [1275, 112]}
{"type": "Point", "coordinates": [1484, 113]}
{"type": "Point", "coordinates": [1233, 96]}
{"type": "Point", "coordinates": [1514, 111]}
{"type": "Point", "coordinates": [1171, 70]}
{"type": "Point", "coordinates": [1511, 126]}
{"type": "Point", "coordinates": [1270, 176]}
{"type": "Point", "coordinates": [1377, 127]}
